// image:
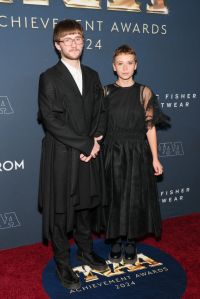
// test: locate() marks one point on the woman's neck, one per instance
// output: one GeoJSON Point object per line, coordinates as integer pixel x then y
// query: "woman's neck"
{"type": "Point", "coordinates": [125, 83]}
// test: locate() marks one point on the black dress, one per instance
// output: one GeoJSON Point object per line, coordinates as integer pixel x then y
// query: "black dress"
{"type": "Point", "coordinates": [131, 184]}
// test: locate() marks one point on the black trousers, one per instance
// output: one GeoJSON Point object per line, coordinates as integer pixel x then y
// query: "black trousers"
{"type": "Point", "coordinates": [82, 235]}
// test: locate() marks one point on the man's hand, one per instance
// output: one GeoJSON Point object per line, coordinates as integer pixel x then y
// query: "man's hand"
{"type": "Point", "coordinates": [96, 147]}
{"type": "Point", "coordinates": [94, 152]}
{"type": "Point", "coordinates": [85, 158]}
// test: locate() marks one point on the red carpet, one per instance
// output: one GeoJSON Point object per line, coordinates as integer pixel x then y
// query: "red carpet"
{"type": "Point", "coordinates": [21, 268]}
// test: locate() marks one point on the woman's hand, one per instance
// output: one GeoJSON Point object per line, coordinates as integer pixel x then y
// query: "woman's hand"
{"type": "Point", "coordinates": [94, 152]}
{"type": "Point", "coordinates": [158, 168]}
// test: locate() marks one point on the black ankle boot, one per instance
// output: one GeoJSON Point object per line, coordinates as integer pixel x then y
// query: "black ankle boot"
{"type": "Point", "coordinates": [130, 253]}
{"type": "Point", "coordinates": [115, 254]}
{"type": "Point", "coordinates": [67, 277]}
{"type": "Point", "coordinates": [93, 260]}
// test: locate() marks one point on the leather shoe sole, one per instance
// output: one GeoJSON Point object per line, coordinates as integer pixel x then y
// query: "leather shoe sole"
{"type": "Point", "coordinates": [115, 260]}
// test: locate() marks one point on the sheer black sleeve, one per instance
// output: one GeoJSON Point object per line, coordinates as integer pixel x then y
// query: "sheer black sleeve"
{"type": "Point", "coordinates": [153, 113]}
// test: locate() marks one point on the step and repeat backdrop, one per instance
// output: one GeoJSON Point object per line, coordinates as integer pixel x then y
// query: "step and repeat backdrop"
{"type": "Point", "coordinates": [165, 35]}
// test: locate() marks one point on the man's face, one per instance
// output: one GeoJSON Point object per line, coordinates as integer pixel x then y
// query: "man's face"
{"type": "Point", "coordinates": [70, 46]}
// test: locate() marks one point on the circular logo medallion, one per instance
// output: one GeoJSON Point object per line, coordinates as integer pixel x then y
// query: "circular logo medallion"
{"type": "Point", "coordinates": [154, 275]}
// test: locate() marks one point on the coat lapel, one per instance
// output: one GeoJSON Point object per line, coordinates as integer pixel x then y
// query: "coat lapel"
{"type": "Point", "coordinates": [71, 84]}
{"type": "Point", "coordinates": [73, 99]}
{"type": "Point", "coordinates": [67, 77]}
{"type": "Point", "coordinates": [81, 106]}
{"type": "Point", "coordinates": [86, 80]}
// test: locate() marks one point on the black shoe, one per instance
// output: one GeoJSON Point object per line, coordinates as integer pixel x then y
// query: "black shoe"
{"type": "Point", "coordinates": [115, 254]}
{"type": "Point", "coordinates": [67, 277]}
{"type": "Point", "coordinates": [130, 253]}
{"type": "Point", "coordinates": [93, 260]}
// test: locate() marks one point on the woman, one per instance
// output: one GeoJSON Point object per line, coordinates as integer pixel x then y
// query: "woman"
{"type": "Point", "coordinates": [131, 158]}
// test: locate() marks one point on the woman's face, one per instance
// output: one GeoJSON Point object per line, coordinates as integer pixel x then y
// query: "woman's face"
{"type": "Point", "coordinates": [124, 65]}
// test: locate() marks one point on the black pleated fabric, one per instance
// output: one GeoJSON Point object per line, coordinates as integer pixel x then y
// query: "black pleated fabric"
{"type": "Point", "coordinates": [133, 199]}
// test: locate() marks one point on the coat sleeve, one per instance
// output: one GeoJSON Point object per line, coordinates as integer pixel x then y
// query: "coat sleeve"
{"type": "Point", "coordinates": [101, 126]}
{"type": "Point", "coordinates": [56, 122]}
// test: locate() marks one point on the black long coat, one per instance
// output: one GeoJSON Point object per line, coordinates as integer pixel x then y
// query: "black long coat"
{"type": "Point", "coordinates": [70, 121]}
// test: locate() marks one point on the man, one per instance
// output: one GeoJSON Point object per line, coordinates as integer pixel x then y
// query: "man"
{"type": "Point", "coordinates": [70, 194]}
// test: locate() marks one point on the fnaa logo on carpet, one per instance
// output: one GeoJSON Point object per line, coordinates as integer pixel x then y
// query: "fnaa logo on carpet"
{"type": "Point", "coordinates": [155, 275]}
